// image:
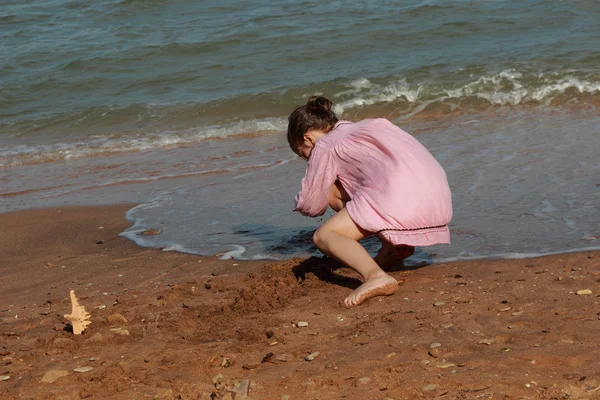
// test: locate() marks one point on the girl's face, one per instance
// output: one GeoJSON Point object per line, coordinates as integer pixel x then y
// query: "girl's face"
{"type": "Point", "coordinates": [310, 138]}
{"type": "Point", "coordinates": [304, 150]}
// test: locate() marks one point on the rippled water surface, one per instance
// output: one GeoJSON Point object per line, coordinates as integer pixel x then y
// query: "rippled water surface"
{"type": "Point", "coordinates": [181, 106]}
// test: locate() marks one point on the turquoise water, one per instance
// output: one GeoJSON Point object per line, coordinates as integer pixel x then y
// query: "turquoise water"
{"type": "Point", "coordinates": [181, 106]}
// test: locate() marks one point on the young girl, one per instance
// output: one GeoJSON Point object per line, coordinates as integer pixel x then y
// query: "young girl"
{"type": "Point", "coordinates": [380, 180]}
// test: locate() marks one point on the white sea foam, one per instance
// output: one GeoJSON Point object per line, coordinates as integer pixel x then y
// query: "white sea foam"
{"type": "Point", "coordinates": [507, 87]}
{"type": "Point", "coordinates": [22, 154]}
{"type": "Point", "coordinates": [236, 253]}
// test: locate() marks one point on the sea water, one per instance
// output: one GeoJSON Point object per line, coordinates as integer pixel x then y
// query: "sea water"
{"type": "Point", "coordinates": [181, 107]}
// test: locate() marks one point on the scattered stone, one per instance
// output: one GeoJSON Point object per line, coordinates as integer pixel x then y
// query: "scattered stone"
{"type": "Point", "coordinates": [445, 365]}
{"type": "Point", "coordinates": [364, 380]}
{"type": "Point", "coordinates": [302, 324]}
{"type": "Point", "coordinates": [568, 341]}
{"type": "Point", "coordinates": [584, 292]}
{"type": "Point", "coordinates": [120, 331]}
{"type": "Point", "coordinates": [391, 355]}
{"type": "Point", "coordinates": [101, 307]}
{"type": "Point", "coordinates": [273, 343]}
{"type": "Point", "coordinates": [434, 345]}
{"type": "Point", "coordinates": [517, 313]}
{"type": "Point", "coordinates": [241, 389]}
{"type": "Point", "coordinates": [218, 378]}
{"type": "Point", "coordinates": [270, 334]}
{"type": "Point", "coordinates": [486, 341]}
{"type": "Point", "coordinates": [115, 319]}
{"type": "Point", "coordinates": [99, 242]}
{"type": "Point", "coordinates": [10, 333]}
{"type": "Point", "coordinates": [512, 327]}
{"type": "Point", "coordinates": [53, 375]}
{"type": "Point", "coordinates": [207, 286]}
{"type": "Point", "coordinates": [425, 362]}
{"type": "Point", "coordinates": [92, 359]}
{"type": "Point", "coordinates": [83, 369]}
{"type": "Point", "coordinates": [4, 377]}
{"type": "Point", "coordinates": [429, 388]}
{"type": "Point", "coordinates": [439, 303]}
{"type": "Point", "coordinates": [503, 309]}
{"type": "Point", "coordinates": [248, 367]}
{"type": "Point", "coordinates": [448, 325]}
{"type": "Point", "coordinates": [435, 352]}
{"type": "Point", "coordinates": [226, 363]}
{"type": "Point", "coordinates": [311, 356]}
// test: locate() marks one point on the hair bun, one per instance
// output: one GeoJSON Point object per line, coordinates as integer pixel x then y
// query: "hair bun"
{"type": "Point", "coordinates": [319, 104]}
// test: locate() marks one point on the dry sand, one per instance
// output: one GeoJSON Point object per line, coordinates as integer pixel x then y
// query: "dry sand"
{"type": "Point", "coordinates": [176, 326]}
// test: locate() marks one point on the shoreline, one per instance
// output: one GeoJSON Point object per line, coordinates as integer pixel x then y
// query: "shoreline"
{"type": "Point", "coordinates": [166, 325]}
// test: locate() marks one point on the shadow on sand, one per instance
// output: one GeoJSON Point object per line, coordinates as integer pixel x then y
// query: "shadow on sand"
{"type": "Point", "coordinates": [324, 268]}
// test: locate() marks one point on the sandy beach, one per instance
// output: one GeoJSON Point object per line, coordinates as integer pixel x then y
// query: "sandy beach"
{"type": "Point", "coordinates": [174, 326]}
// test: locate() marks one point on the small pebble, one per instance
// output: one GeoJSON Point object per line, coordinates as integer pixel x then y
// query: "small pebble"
{"type": "Point", "coordinates": [83, 369]}
{"type": "Point", "coordinates": [430, 387]}
{"type": "Point", "coordinates": [584, 292]}
{"type": "Point", "coordinates": [435, 352]}
{"type": "Point", "coordinates": [226, 363]}
{"type": "Point", "coordinates": [439, 303]}
{"type": "Point", "coordinates": [4, 377]}
{"type": "Point", "coordinates": [434, 345]}
{"type": "Point", "coordinates": [120, 332]}
{"type": "Point", "coordinates": [302, 324]}
{"type": "Point", "coordinates": [502, 309]}
{"type": "Point", "coordinates": [92, 359]}
{"type": "Point", "coordinates": [311, 356]}
{"type": "Point", "coordinates": [270, 334]}
{"type": "Point", "coordinates": [364, 380]}
{"type": "Point", "coordinates": [486, 341]}
{"type": "Point", "coordinates": [425, 362]}
{"type": "Point", "coordinates": [445, 365]}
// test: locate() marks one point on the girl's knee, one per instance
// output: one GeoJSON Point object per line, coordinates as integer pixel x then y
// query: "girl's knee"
{"type": "Point", "coordinates": [320, 237]}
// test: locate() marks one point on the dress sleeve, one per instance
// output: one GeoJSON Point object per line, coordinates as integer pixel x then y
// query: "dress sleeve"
{"type": "Point", "coordinates": [321, 173]}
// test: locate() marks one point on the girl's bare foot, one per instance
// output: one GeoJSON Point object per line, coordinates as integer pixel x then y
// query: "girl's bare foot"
{"type": "Point", "coordinates": [389, 255]}
{"type": "Point", "coordinates": [380, 285]}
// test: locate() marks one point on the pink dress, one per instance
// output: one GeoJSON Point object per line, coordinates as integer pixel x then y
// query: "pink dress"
{"type": "Point", "coordinates": [397, 189]}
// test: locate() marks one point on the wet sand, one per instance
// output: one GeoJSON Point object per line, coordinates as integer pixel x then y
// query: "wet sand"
{"type": "Point", "coordinates": [176, 326]}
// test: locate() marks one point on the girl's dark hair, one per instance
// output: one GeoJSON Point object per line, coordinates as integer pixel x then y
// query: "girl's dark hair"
{"type": "Point", "coordinates": [316, 114]}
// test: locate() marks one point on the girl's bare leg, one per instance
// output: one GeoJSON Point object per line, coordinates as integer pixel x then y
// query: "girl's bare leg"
{"type": "Point", "coordinates": [338, 238]}
{"type": "Point", "coordinates": [388, 255]}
